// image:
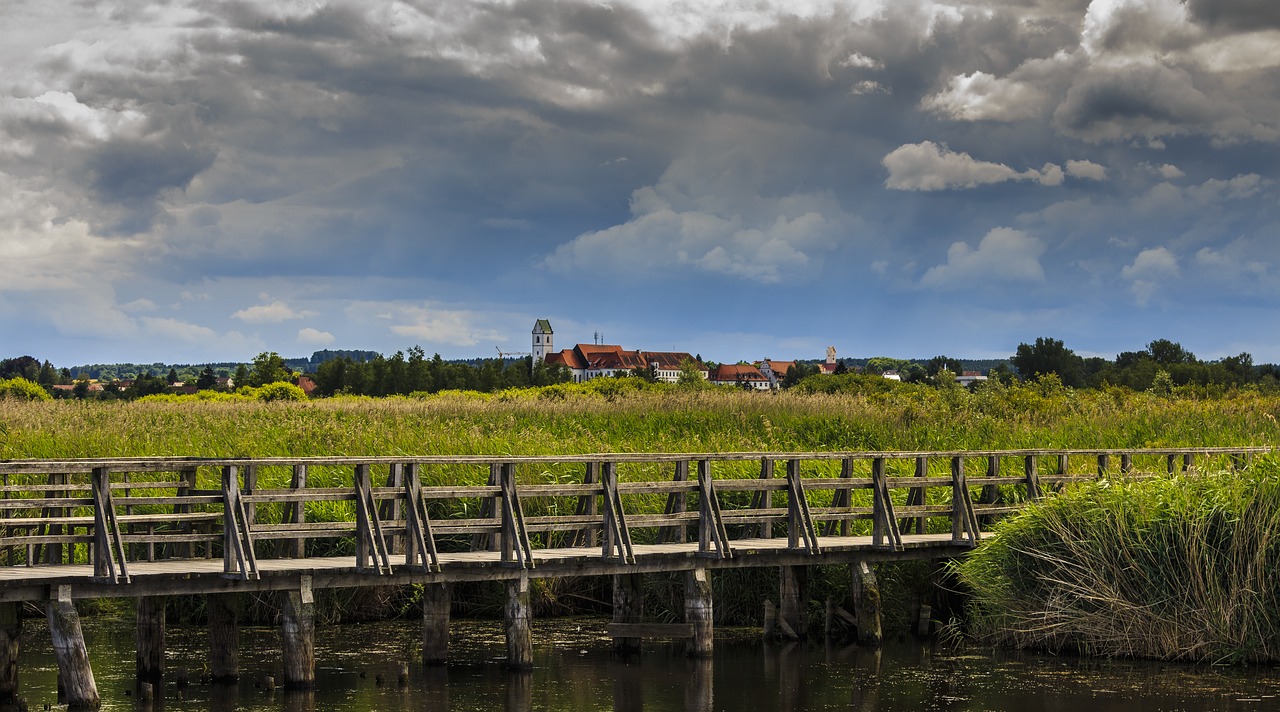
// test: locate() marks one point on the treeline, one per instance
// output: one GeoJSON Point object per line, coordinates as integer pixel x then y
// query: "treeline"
{"type": "Point", "coordinates": [402, 374]}
{"type": "Point", "coordinates": [1163, 365]}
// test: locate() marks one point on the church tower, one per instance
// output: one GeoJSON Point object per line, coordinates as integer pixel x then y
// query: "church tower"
{"type": "Point", "coordinates": [541, 340]}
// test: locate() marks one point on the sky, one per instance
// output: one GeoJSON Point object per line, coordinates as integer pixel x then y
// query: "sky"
{"type": "Point", "coordinates": [191, 181]}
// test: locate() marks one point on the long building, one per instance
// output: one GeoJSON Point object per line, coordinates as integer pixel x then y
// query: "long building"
{"type": "Point", "coordinates": [588, 361]}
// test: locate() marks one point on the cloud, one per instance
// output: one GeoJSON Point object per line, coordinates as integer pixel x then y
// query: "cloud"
{"type": "Point", "coordinates": [314, 337]}
{"type": "Point", "coordinates": [982, 97]}
{"type": "Point", "coordinates": [1149, 269]}
{"type": "Point", "coordinates": [178, 330]}
{"type": "Point", "coordinates": [929, 166]}
{"type": "Point", "coordinates": [1138, 100]}
{"type": "Point", "coordinates": [432, 325]}
{"type": "Point", "coordinates": [1004, 255]}
{"type": "Point", "coordinates": [272, 313]}
{"type": "Point", "coordinates": [1086, 169]}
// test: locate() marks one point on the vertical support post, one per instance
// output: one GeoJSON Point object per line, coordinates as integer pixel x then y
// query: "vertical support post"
{"type": "Point", "coordinates": [677, 503]}
{"type": "Point", "coordinates": [792, 600]}
{"type": "Point", "coordinates": [794, 523]}
{"type": "Point", "coordinates": [1188, 461]}
{"type": "Point", "coordinates": [698, 612]}
{"type": "Point", "coordinates": [10, 635]}
{"type": "Point", "coordinates": [763, 499]}
{"type": "Point", "coordinates": [297, 512]}
{"type": "Point", "coordinates": [1126, 464]}
{"type": "Point", "coordinates": [628, 607]}
{"type": "Point", "coordinates": [1171, 463]}
{"type": "Point", "coordinates": [150, 639]}
{"type": "Point", "coordinates": [393, 510]}
{"type": "Point", "coordinates": [991, 492]}
{"type": "Point", "coordinates": [1033, 477]}
{"type": "Point", "coordinates": [958, 497]}
{"type": "Point", "coordinates": [519, 620]}
{"type": "Point", "coordinates": [224, 637]}
{"type": "Point", "coordinates": [298, 631]}
{"type": "Point", "coordinates": [1104, 461]}
{"type": "Point", "coordinates": [587, 536]}
{"type": "Point", "coordinates": [436, 605]}
{"type": "Point", "coordinates": [187, 482]}
{"type": "Point", "coordinates": [68, 647]}
{"type": "Point", "coordinates": [866, 603]}
{"type": "Point", "coordinates": [918, 493]}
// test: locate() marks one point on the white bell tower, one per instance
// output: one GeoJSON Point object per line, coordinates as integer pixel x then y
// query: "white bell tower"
{"type": "Point", "coordinates": [541, 340]}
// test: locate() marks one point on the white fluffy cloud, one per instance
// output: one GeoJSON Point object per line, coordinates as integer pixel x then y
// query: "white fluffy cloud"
{"type": "Point", "coordinates": [1086, 169]}
{"type": "Point", "coordinates": [1004, 255]}
{"type": "Point", "coordinates": [981, 96]}
{"type": "Point", "coordinates": [314, 337]}
{"type": "Point", "coordinates": [927, 166]}
{"type": "Point", "coordinates": [273, 313]}
{"type": "Point", "coordinates": [1149, 269]}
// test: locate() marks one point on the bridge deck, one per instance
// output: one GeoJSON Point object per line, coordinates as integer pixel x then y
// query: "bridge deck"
{"type": "Point", "coordinates": [193, 576]}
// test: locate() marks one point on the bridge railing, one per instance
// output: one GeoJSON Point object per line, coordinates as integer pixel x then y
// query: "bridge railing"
{"type": "Point", "coordinates": [388, 513]}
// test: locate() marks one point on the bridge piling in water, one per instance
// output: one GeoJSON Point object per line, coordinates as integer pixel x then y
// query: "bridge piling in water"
{"type": "Point", "coordinates": [298, 629]}
{"type": "Point", "coordinates": [10, 645]}
{"type": "Point", "coordinates": [699, 613]}
{"type": "Point", "coordinates": [150, 639]}
{"type": "Point", "coordinates": [793, 608]}
{"type": "Point", "coordinates": [222, 611]}
{"type": "Point", "coordinates": [519, 619]}
{"type": "Point", "coordinates": [628, 607]}
{"type": "Point", "coordinates": [436, 604]}
{"type": "Point", "coordinates": [74, 673]}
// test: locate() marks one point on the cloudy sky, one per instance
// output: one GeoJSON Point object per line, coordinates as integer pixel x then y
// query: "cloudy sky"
{"type": "Point", "coordinates": [200, 180]}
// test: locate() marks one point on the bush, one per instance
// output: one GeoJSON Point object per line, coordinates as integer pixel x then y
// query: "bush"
{"type": "Point", "coordinates": [280, 391]}
{"type": "Point", "coordinates": [22, 389]}
{"type": "Point", "coordinates": [1178, 568]}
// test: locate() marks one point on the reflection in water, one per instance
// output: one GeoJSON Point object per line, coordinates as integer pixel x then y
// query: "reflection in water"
{"type": "Point", "coordinates": [575, 670]}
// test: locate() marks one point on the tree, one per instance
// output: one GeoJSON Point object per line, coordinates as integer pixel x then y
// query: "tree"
{"type": "Point", "coordinates": [1049, 356]}
{"type": "Point", "coordinates": [208, 380]}
{"type": "Point", "coordinates": [172, 378]}
{"type": "Point", "coordinates": [939, 363]}
{"type": "Point", "coordinates": [1166, 352]}
{"type": "Point", "coordinates": [267, 367]}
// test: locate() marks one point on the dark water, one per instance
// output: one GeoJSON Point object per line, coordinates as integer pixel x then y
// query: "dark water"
{"type": "Point", "coordinates": [575, 671]}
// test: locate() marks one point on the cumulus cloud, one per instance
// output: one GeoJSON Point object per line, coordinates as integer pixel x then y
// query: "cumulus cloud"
{"type": "Point", "coordinates": [314, 337]}
{"type": "Point", "coordinates": [980, 96]}
{"type": "Point", "coordinates": [433, 325]}
{"type": "Point", "coordinates": [273, 313]}
{"type": "Point", "coordinates": [1004, 255]}
{"type": "Point", "coordinates": [929, 166]}
{"type": "Point", "coordinates": [1149, 269]}
{"type": "Point", "coordinates": [1086, 169]}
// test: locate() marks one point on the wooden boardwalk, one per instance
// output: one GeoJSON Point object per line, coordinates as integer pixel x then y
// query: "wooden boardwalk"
{"type": "Point", "coordinates": [166, 526]}
{"type": "Point", "coordinates": [147, 528]}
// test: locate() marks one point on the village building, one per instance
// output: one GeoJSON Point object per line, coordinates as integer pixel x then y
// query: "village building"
{"type": "Point", "coordinates": [588, 361]}
{"type": "Point", "coordinates": [743, 375]}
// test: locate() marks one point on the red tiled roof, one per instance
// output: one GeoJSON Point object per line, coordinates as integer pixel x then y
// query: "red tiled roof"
{"type": "Point", "coordinates": [734, 372]}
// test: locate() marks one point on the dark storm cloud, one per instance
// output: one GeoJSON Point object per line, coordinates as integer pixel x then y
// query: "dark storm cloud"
{"type": "Point", "coordinates": [1147, 101]}
{"type": "Point", "coordinates": [1243, 15]}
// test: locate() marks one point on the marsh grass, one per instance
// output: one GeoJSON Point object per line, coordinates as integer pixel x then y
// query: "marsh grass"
{"type": "Point", "coordinates": [1179, 568]}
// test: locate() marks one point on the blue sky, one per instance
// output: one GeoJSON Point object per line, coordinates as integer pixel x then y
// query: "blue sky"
{"type": "Point", "coordinates": [193, 181]}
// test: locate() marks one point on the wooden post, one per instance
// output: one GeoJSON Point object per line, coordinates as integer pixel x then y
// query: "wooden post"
{"type": "Point", "coordinates": [519, 618]}
{"type": "Point", "coordinates": [866, 601]}
{"type": "Point", "coordinates": [298, 629]}
{"type": "Point", "coordinates": [792, 604]}
{"type": "Point", "coordinates": [436, 604]}
{"type": "Point", "coordinates": [698, 611]}
{"type": "Point", "coordinates": [150, 639]}
{"type": "Point", "coordinates": [69, 649]}
{"type": "Point", "coordinates": [224, 637]}
{"type": "Point", "coordinates": [10, 633]}
{"type": "Point", "coordinates": [628, 607]}
{"type": "Point", "coordinates": [770, 619]}
{"type": "Point", "coordinates": [296, 513]}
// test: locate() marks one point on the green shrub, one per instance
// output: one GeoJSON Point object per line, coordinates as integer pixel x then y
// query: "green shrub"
{"type": "Point", "coordinates": [280, 391]}
{"type": "Point", "coordinates": [22, 389]}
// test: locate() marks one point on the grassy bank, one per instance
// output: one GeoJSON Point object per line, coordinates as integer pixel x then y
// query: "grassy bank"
{"type": "Point", "coordinates": [1181, 568]}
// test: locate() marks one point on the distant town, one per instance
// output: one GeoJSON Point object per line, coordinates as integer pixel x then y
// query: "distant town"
{"type": "Point", "coordinates": [1163, 364]}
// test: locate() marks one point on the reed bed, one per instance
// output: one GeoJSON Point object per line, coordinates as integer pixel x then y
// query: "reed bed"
{"type": "Point", "coordinates": [1178, 568]}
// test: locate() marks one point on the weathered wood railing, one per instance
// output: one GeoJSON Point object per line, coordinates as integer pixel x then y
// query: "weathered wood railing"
{"type": "Point", "coordinates": [114, 513]}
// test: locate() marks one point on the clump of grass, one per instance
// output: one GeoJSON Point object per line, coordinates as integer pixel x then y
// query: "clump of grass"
{"type": "Point", "coordinates": [1178, 568]}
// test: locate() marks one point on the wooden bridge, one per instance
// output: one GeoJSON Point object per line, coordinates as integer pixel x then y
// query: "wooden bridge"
{"type": "Point", "coordinates": [154, 527]}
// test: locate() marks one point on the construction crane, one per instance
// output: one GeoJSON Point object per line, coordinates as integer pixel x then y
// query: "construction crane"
{"type": "Point", "coordinates": [504, 355]}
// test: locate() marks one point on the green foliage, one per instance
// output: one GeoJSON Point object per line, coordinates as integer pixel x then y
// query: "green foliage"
{"type": "Point", "coordinates": [1049, 356]}
{"type": "Point", "coordinates": [1178, 568]}
{"type": "Point", "coordinates": [267, 368]}
{"type": "Point", "coordinates": [280, 391]}
{"type": "Point", "coordinates": [22, 389]}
